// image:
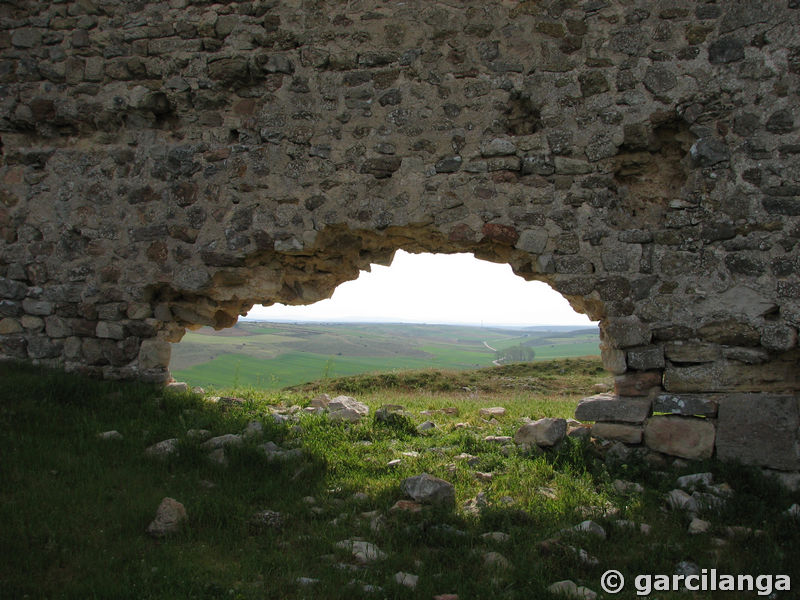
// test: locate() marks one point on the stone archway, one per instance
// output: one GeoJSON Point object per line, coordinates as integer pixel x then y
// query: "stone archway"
{"type": "Point", "coordinates": [167, 164]}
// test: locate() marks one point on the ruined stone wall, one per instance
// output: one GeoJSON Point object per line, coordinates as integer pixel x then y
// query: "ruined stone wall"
{"type": "Point", "coordinates": [169, 164]}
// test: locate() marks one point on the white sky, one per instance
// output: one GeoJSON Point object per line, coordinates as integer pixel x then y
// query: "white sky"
{"type": "Point", "coordinates": [436, 288]}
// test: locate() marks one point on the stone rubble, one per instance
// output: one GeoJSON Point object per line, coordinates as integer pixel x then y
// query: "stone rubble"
{"type": "Point", "coordinates": [428, 489]}
{"type": "Point", "coordinates": [170, 516]}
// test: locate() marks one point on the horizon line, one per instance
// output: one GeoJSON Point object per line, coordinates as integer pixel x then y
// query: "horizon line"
{"type": "Point", "coordinates": [355, 320]}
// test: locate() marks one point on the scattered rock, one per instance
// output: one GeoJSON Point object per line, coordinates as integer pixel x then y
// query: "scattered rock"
{"type": "Point", "coordinates": [394, 462]}
{"type": "Point", "coordinates": [304, 581]}
{"type": "Point", "coordinates": [218, 456]}
{"type": "Point", "coordinates": [111, 435]}
{"type": "Point", "coordinates": [571, 590]}
{"type": "Point", "coordinates": [198, 435]}
{"type": "Point", "coordinates": [627, 487]}
{"type": "Point", "coordinates": [473, 506]}
{"type": "Point", "coordinates": [471, 460]}
{"type": "Point", "coordinates": [390, 412]}
{"type": "Point", "coordinates": [266, 520]}
{"type": "Point", "coordinates": [591, 528]}
{"type": "Point", "coordinates": [544, 432]}
{"type": "Point", "coordinates": [275, 453]}
{"type": "Point", "coordinates": [632, 525]}
{"type": "Point", "coordinates": [680, 500]}
{"type": "Point", "coordinates": [320, 401]}
{"type": "Point", "coordinates": [690, 482]}
{"type": "Point", "coordinates": [163, 449]}
{"type": "Point", "coordinates": [497, 536]}
{"type": "Point", "coordinates": [362, 551]}
{"type": "Point", "coordinates": [345, 408]}
{"type": "Point", "coordinates": [698, 526]}
{"type": "Point", "coordinates": [169, 517]}
{"type": "Point", "coordinates": [426, 426]}
{"type": "Point", "coordinates": [584, 557]}
{"type": "Point", "coordinates": [495, 560]}
{"type": "Point", "coordinates": [547, 492]}
{"type": "Point", "coordinates": [229, 439]}
{"type": "Point", "coordinates": [686, 567]}
{"type": "Point", "coordinates": [428, 489]}
{"type": "Point", "coordinates": [177, 386]}
{"type": "Point", "coordinates": [486, 477]}
{"type": "Point", "coordinates": [498, 439]}
{"type": "Point", "coordinates": [253, 430]}
{"type": "Point", "coordinates": [793, 511]}
{"type": "Point", "coordinates": [494, 411]}
{"type": "Point", "coordinates": [406, 506]}
{"type": "Point", "coordinates": [446, 597]}
{"type": "Point", "coordinates": [406, 579]}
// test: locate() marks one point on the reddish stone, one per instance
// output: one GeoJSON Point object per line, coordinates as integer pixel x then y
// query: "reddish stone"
{"type": "Point", "coordinates": [502, 234]}
{"type": "Point", "coordinates": [687, 437]}
{"type": "Point", "coordinates": [407, 506]}
{"type": "Point", "coordinates": [13, 176]}
{"type": "Point", "coordinates": [637, 384]}
{"type": "Point", "coordinates": [504, 177]}
{"type": "Point", "coordinates": [462, 233]}
{"type": "Point", "coordinates": [246, 106]}
{"type": "Point", "coordinates": [217, 154]}
{"type": "Point", "coordinates": [157, 252]}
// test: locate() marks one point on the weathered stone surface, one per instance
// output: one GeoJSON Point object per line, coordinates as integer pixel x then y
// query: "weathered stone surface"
{"type": "Point", "coordinates": [637, 383]}
{"type": "Point", "coordinates": [687, 404]}
{"type": "Point", "coordinates": [363, 552]}
{"type": "Point", "coordinates": [154, 354]}
{"type": "Point", "coordinates": [733, 376]}
{"type": "Point", "coordinates": [685, 437]}
{"type": "Point", "coordinates": [618, 432]}
{"type": "Point", "coordinates": [760, 429]}
{"type": "Point", "coordinates": [155, 178]}
{"type": "Point", "coordinates": [170, 516]}
{"type": "Point", "coordinates": [162, 449]}
{"type": "Point", "coordinates": [543, 432]}
{"type": "Point", "coordinates": [645, 358]}
{"type": "Point", "coordinates": [345, 408]}
{"type": "Point", "coordinates": [609, 407]}
{"type": "Point", "coordinates": [492, 411]}
{"type": "Point", "coordinates": [428, 489]}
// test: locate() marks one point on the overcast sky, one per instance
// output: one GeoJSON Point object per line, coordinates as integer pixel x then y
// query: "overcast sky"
{"type": "Point", "coordinates": [436, 288]}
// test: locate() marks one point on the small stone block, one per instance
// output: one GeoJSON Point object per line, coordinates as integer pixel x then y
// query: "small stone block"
{"type": "Point", "coordinates": [608, 407]}
{"type": "Point", "coordinates": [618, 432]}
{"type": "Point", "coordinates": [686, 404]}
{"type": "Point", "coordinates": [760, 429]}
{"type": "Point", "coordinates": [687, 437]}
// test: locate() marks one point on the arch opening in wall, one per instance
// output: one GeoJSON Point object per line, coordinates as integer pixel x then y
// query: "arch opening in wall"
{"type": "Point", "coordinates": [444, 311]}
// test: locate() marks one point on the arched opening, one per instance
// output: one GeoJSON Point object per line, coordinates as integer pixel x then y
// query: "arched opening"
{"type": "Point", "coordinates": [441, 311]}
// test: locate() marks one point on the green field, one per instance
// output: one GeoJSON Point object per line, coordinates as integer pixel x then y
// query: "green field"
{"type": "Point", "coordinates": [277, 355]}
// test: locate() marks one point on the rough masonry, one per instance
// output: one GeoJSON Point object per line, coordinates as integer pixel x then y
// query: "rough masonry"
{"type": "Point", "coordinates": [168, 164]}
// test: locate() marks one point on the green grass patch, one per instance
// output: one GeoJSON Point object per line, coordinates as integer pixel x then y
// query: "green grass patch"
{"type": "Point", "coordinates": [74, 508]}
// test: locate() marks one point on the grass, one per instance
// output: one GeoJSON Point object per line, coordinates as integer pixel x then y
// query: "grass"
{"type": "Point", "coordinates": [285, 354]}
{"type": "Point", "coordinates": [73, 508]}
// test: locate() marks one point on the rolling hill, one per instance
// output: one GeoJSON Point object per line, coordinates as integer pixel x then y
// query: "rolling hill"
{"type": "Point", "coordinates": [277, 355]}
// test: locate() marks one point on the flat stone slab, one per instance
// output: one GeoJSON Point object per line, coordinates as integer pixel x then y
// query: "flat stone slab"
{"type": "Point", "coordinates": [618, 432]}
{"type": "Point", "coordinates": [687, 437]}
{"type": "Point", "coordinates": [687, 404]}
{"type": "Point", "coordinates": [760, 429]}
{"type": "Point", "coordinates": [609, 407]}
{"type": "Point", "coordinates": [544, 432]}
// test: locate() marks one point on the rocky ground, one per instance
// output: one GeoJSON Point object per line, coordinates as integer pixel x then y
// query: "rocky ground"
{"type": "Point", "coordinates": [132, 491]}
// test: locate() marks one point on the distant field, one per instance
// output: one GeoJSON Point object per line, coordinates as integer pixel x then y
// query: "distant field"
{"type": "Point", "coordinates": [277, 355]}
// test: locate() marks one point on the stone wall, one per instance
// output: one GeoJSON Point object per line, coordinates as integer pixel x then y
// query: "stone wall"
{"type": "Point", "coordinates": [168, 164]}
